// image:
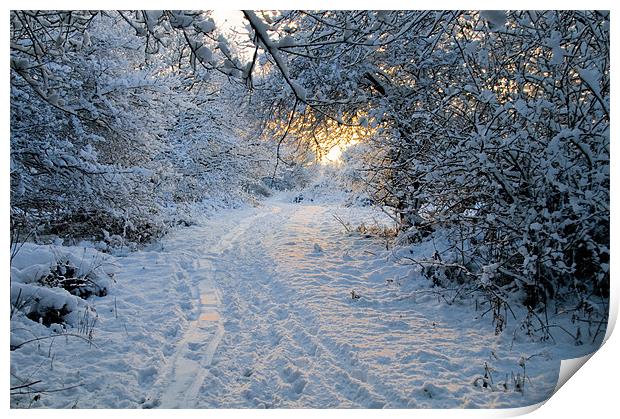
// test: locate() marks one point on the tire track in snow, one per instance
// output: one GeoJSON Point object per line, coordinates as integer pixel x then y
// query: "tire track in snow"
{"type": "Point", "coordinates": [194, 353]}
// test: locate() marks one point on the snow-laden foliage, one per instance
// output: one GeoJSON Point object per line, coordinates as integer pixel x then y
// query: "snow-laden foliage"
{"type": "Point", "coordinates": [483, 135]}
{"type": "Point", "coordinates": [492, 124]}
{"type": "Point", "coordinates": [50, 284]}
{"type": "Point", "coordinates": [115, 131]}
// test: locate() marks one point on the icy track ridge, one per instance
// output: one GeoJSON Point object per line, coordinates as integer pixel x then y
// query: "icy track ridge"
{"type": "Point", "coordinates": [188, 367]}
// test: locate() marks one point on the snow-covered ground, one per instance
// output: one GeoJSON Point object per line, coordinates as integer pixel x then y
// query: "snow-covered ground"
{"type": "Point", "coordinates": [254, 307]}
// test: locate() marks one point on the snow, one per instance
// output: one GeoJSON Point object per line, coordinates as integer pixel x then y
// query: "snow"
{"type": "Point", "coordinates": [204, 53]}
{"type": "Point", "coordinates": [206, 26]}
{"type": "Point", "coordinates": [495, 18]}
{"type": "Point", "coordinates": [302, 300]}
{"type": "Point", "coordinates": [180, 20]}
{"type": "Point", "coordinates": [253, 308]}
{"type": "Point", "coordinates": [286, 41]}
{"type": "Point", "coordinates": [592, 79]}
{"type": "Point", "coordinates": [262, 31]}
{"type": "Point", "coordinates": [31, 261]}
{"type": "Point", "coordinates": [299, 90]}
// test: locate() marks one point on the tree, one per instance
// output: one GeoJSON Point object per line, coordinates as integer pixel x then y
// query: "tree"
{"type": "Point", "coordinates": [118, 122]}
{"type": "Point", "coordinates": [494, 125]}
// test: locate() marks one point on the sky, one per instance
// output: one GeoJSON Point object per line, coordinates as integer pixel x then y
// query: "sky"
{"type": "Point", "coordinates": [229, 20]}
{"type": "Point", "coordinates": [232, 24]}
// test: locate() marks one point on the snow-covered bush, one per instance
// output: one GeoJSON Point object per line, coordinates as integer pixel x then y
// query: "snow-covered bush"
{"type": "Point", "coordinates": [517, 152]}
{"type": "Point", "coordinates": [51, 284]}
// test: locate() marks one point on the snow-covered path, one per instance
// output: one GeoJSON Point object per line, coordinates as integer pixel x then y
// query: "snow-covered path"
{"type": "Point", "coordinates": [253, 308]}
{"type": "Point", "coordinates": [277, 325]}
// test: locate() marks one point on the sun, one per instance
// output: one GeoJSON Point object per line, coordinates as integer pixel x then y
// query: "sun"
{"type": "Point", "coordinates": [333, 157]}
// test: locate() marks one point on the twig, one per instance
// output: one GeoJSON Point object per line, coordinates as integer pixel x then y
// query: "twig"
{"type": "Point", "coordinates": [14, 347]}
{"type": "Point", "coordinates": [47, 391]}
{"type": "Point", "coordinates": [342, 222]}
{"type": "Point", "coordinates": [25, 385]}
